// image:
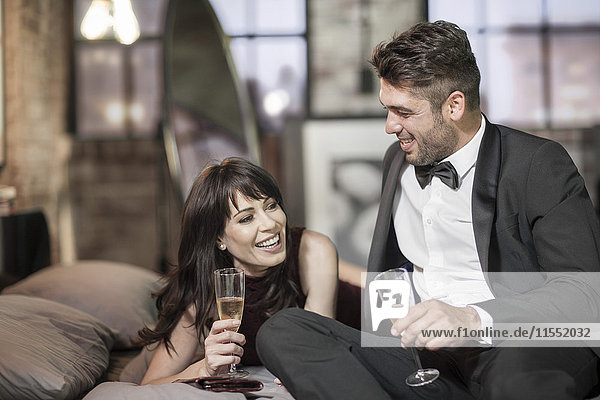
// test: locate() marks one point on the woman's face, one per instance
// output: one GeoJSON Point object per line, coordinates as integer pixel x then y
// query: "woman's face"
{"type": "Point", "coordinates": [255, 234]}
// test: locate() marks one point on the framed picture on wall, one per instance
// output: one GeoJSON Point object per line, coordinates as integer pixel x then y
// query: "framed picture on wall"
{"type": "Point", "coordinates": [342, 181]}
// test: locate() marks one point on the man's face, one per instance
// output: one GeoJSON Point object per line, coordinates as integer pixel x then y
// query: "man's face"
{"type": "Point", "coordinates": [424, 135]}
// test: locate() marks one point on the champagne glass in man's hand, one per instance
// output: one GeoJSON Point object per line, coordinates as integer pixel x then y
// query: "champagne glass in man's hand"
{"type": "Point", "coordinates": [229, 292]}
{"type": "Point", "coordinates": [421, 376]}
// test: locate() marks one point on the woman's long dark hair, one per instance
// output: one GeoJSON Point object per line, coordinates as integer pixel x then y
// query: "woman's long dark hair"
{"type": "Point", "coordinates": [204, 218]}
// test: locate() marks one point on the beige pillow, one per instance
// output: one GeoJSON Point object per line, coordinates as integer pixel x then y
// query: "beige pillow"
{"type": "Point", "coordinates": [118, 294]}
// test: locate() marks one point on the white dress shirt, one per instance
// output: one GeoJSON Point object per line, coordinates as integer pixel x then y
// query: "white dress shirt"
{"type": "Point", "coordinates": [434, 227]}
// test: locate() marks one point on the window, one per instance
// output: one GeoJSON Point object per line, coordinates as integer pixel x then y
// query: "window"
{"type": "Point", "coordinates": [118, 88]}
{"type": "Point", "coordinates": [268, 45]}
{"type": "Point", "coordinates": [539, 59]}
{"type": "Point", "coordinates": [540, 63]}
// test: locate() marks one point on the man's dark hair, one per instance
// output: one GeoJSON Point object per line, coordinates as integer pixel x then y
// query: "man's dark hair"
{"type": "Point", "coordinates": [432, 60]}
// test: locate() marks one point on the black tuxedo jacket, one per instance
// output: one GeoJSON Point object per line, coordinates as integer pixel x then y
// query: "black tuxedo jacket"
{"type": "Point", "coordinates": [531, 213]}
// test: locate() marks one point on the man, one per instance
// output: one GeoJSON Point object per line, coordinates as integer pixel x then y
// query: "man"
{"type": "Point", "coordinates": [461, 198]}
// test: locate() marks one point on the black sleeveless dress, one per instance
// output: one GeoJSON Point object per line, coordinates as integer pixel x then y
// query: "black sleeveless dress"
{"type": "Point", "coordinates": [347, 311]}
{"type": "Point", "coordinates": [256, 290]}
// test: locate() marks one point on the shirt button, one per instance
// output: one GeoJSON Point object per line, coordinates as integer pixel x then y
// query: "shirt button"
{"type": "Point", "coordinates": [428, 221]}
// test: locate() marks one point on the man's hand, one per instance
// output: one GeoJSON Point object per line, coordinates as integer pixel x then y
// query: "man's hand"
{"type": "Point", "coordinates": [434, 314]}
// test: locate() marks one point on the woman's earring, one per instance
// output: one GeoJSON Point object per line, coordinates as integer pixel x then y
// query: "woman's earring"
{"type": "Point", "coordinates": [222, 246]}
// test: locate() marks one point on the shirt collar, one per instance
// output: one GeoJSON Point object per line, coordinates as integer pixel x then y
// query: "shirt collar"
{"type": "Point", "coordinates": [464, 159]}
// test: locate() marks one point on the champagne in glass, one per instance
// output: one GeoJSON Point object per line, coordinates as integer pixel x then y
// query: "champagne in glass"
{"type": "Point", "coordinates": [230, 307]}
{"type": "Point", "coordinates": [229, 293]}
{"type": "Point", "coordinates": [422, 376]}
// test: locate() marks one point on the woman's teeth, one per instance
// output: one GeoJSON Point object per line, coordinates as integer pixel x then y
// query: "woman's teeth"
{"type": "Point", "coordinates": [269, 244]}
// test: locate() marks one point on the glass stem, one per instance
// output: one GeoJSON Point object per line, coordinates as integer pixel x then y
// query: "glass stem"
{"type": "Point", "coordinates": [415, 355]}
{"type": "Point", "coordinates": [232, 368]}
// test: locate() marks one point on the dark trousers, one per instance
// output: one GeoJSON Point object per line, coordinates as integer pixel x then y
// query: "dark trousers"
{"type": "Point", "coordinates": [319, 358]}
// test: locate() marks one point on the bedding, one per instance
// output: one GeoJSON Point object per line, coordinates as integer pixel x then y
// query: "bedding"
{"type": "Point", "coordinates": [118, 294]}
{"type": "Point", "coordinates": [182, 391]}
{"type": "Point", "coordinates": [49, 350]}
{"type": "Point", "coordinates": [66, 328]}
{"type": "Point", "coordinates": [68, 332]}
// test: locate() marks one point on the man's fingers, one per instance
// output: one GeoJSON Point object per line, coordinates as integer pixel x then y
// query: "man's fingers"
{"type": "Point", "coordinates": [414, 314]}
{"type": "Point", "coordinates": [413, 336]}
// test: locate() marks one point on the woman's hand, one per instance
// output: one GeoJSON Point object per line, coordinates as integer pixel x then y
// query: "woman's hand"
{"type": "Point", "coordinates": [223, 346]}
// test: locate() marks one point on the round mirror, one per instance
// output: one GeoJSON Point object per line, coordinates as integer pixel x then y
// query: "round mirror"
{"type": "Point", "coordinates": [207, 113]}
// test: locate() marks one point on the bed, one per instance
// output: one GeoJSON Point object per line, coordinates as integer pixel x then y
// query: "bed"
{"type": "Point", "coordinates": [68, 331]}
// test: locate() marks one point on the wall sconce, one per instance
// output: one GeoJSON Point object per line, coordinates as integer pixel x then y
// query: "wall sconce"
{"type": "Point", "coordinates": [103, 14]}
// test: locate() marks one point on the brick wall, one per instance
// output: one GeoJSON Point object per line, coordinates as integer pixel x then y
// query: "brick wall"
{"type": "Point", "coordinates": [100, 198]}
{"type": "Point", "coordinates": [37, 66]}
{"type": "Point", "coordinates": [114, 194]}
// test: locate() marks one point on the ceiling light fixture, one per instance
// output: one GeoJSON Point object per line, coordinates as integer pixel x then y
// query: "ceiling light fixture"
{"type": "Point", "coordinates": [103, 14]}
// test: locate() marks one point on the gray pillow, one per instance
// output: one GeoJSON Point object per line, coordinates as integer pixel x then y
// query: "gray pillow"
{"type": "Point", "coordinates": [118, 294]}
{"type": "Point", "coordinates": [49, 350]}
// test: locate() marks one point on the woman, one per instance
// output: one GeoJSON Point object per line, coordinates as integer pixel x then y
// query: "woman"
{"type": "Point", "coordinates": [234, 216]}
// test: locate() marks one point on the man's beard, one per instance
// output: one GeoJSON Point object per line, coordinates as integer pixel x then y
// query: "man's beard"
{"type": "Point", "coordinates": [434, 145]}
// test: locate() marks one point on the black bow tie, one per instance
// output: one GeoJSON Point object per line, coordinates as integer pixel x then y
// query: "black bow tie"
{"type": "Point", "coordinates": [445, 171]}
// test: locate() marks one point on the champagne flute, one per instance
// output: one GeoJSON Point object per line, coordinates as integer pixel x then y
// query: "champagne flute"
{"type": "Point", "coordinates": [422, 376]}
{"type": "Point", "coordinates": [229, 292]}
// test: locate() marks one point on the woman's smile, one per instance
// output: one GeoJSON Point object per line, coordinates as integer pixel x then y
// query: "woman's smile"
{"type": "Point", "coordinates": [270, 244]}
{"type": "Point", "coordinates": [255, 234]}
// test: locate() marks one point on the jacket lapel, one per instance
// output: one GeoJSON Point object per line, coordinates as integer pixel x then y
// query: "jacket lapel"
{"type": "Point", "coordinates": [384, 215]}
{"type": "Point", "coordinates": [485, 187]}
